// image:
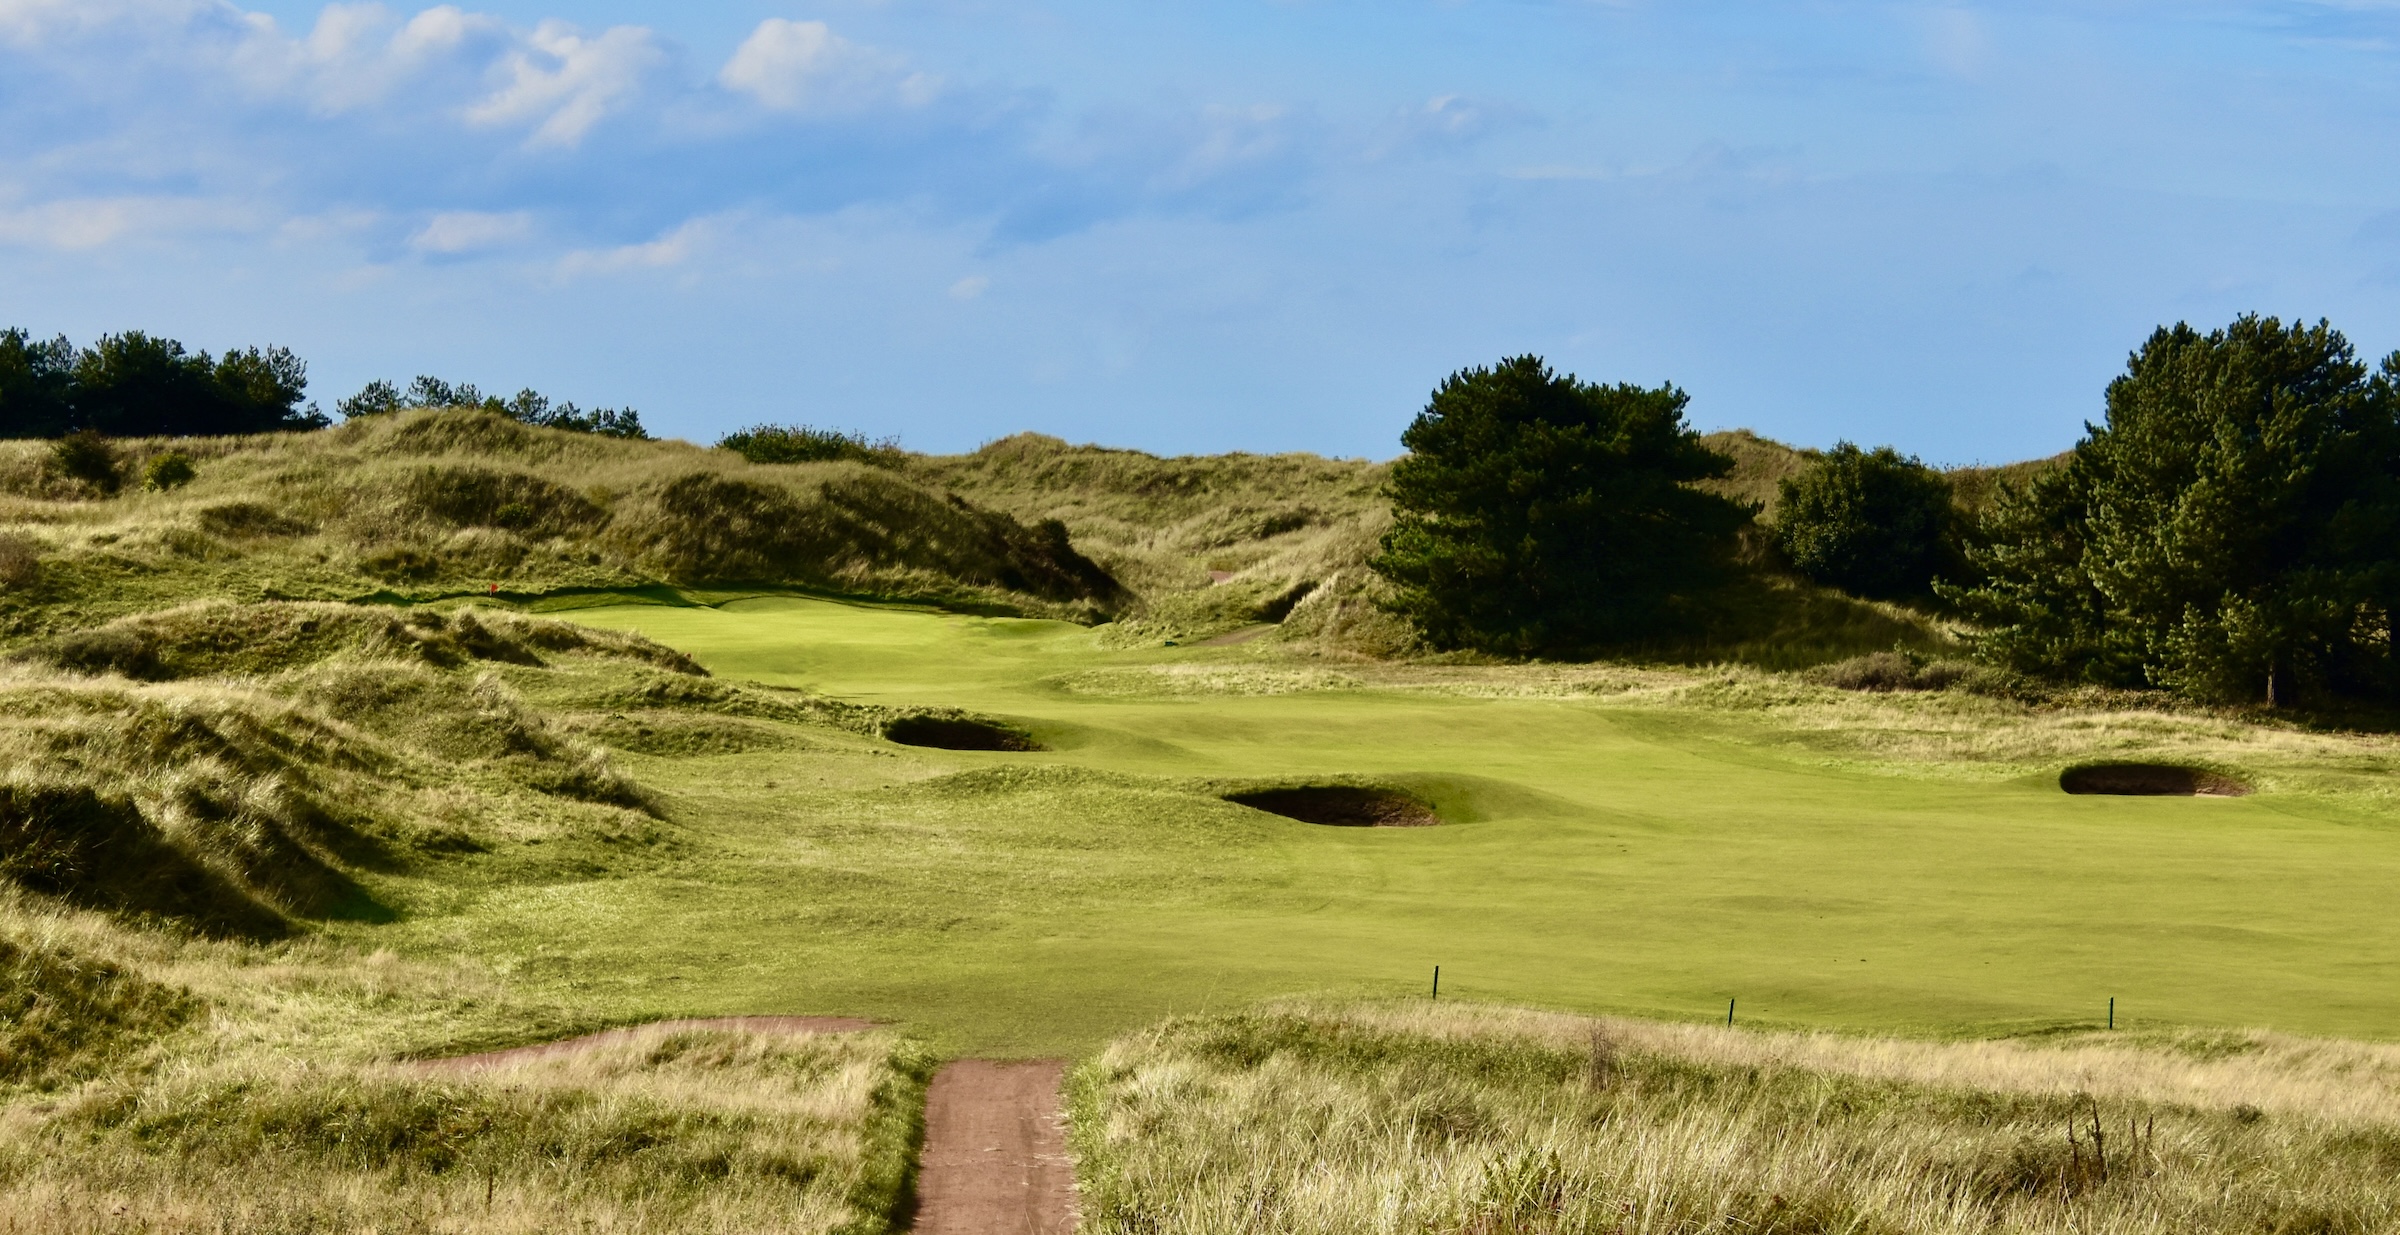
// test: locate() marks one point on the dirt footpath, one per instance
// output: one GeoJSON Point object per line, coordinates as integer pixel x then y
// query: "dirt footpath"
{"type": "Point", "coordinates": [996, 1152]}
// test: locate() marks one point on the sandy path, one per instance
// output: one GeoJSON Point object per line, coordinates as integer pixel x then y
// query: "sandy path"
{"type": "Point", "coordinates": [995, 1158]}
{"type": "Point", "coordinates": [568, 1046]}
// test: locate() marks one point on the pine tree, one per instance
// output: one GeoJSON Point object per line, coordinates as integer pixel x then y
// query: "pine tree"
{"type": "Point", "coordinates": [1536, 512]}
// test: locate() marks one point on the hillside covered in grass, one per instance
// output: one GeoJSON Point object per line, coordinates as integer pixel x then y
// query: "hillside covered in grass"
{"type": "Point", "coordinates": [423, 504]}
{"type": "Point", "coordinates": [1214, 544]}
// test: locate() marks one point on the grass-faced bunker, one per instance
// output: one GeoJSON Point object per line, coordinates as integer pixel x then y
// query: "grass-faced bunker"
{"type": "Point", "coordinates": [1342, 806]}
{"type": "Point", "coordinates": [2150, 780]}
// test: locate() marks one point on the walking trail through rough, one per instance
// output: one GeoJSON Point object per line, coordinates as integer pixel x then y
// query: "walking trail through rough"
{"type": "Point", "coordinates": [995, 1159]}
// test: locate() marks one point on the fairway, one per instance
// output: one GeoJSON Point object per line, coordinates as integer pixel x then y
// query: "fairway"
{"type": "Point", "coordinates": [1602, 854]}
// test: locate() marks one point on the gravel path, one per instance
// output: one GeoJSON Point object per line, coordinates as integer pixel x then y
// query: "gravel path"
{"type": "Point", "coordinates": [996, 1152]}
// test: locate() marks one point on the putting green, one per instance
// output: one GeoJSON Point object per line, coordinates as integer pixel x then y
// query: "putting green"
{"type": "Point", "coordinates": [1612, 857]}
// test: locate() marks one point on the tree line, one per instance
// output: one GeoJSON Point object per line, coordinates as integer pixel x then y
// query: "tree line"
{"type": "Point", "coordinates": [141, 385]}
{"type": "Point", "coordinates": [2229, 530]}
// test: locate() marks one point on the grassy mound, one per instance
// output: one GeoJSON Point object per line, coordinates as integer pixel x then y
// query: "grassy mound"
{"type": "Point", "coordinates": [222, 639]}
{"type": "Point", "coordinates": [437, 503]}
{"type": "Point", "coordinates": [65, 1016]}
{"type": "Point", "coordinates": [1311, 1119]}
{"type": "Point", "coordinates": [234, 768]}
{"type": "Point", "coordinates": [691, 1130]}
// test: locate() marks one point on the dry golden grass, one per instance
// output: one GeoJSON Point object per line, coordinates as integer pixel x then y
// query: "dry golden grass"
{"type": "Point", "coordinates": [2326, 1080]}
{"type": "Point", "coordinates": [666, 1131]}
{"type": "Point", "coordinates": [1388, 1119]}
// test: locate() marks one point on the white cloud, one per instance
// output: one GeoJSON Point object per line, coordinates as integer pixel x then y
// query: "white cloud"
{"type": "Point", "coordinates": [358, 55]}
{"type": "Point", "coordinates": [568, 82]}
{"type": "Point", "coordinates": [804, 66]}
{"type": "Point", "coordinates": [95, 222]}
{"type": "Point", "coordinates": [970, 287]}
{"type": "Point", "coordinates": [671, 249]}
{"type": "Point", "coordinates": [469, 231]}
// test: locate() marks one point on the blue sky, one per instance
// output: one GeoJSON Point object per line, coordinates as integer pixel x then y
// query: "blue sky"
{"type": "Point", "coordinates": [1248, 224]}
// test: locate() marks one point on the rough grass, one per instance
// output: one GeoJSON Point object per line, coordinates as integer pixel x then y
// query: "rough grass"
{"type": "Point", "coordinates": [1306, 1119]}
{"type": "Point", "coordinates": [690, 1130]}
{"type": "Point", "coordinates": [435, 503]}
{"type": "Point", "coordinates": [195, 798]}
{"type": "Point", "coordinates": [233, 769]}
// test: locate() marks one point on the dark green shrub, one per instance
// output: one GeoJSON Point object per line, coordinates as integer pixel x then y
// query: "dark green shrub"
{"type": "Point", "coordinates": [20, 561]}
{"type": "Point", "coordinates": [168, 471]}
{"type": "Point", "coordinates": [1870, 522]}
{"type": "Point", "coordinates": [86, 456]}
{"type": "Point", "coordinates": [806, 444]}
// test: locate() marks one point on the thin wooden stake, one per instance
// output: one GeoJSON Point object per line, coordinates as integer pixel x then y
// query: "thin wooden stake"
{"type": "Point", "coordinates": [1437, 981]}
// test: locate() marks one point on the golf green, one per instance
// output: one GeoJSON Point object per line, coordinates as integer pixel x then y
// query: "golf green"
{"type": "Point", "coordinates": [1601, 855]}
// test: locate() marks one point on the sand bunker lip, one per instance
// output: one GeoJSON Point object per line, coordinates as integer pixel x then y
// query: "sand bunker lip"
{"type": "Point", "coordinates": [569, 1046]}
{"type": "Point", "coordinates": [1341, 806]}
{"type": "Point", "coordinates": [957, 733]}
{"type": "Point", "coordinates": [2150, 780]}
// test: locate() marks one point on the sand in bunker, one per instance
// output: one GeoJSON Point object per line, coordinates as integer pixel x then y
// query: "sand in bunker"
{"type": "Point", "coordinates": [995, 1158]}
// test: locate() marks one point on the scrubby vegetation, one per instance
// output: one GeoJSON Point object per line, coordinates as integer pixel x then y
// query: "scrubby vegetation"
{"type": "Point", "coordinates": [805, 444]}
{"type": "Point", "coordinates": [1870, 522]}
{"type": "Point", "coordinates": [1307, 1119]}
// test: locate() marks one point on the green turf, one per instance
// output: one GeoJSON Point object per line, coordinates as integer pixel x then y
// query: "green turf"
{"type": "Point", "coordinates": [1609, 856]}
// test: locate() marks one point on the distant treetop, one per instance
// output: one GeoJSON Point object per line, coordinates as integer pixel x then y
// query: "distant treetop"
{"type": "Point", "coordinates": [138, 385]}
{"type": "Point", "coordinates": [527, 407]}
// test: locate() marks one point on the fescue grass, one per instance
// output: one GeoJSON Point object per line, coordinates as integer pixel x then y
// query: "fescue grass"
{"type": "Point", "coordinates": [689, 1130]}
{"type": "Point", "coordinates": [1386, 1118]}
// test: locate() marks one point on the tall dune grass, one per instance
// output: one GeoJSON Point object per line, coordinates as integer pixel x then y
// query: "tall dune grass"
{"type": "Point", "coordinates": [691, 1130]}
{"type": "Point", "coordinates": [1324, 1119]}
